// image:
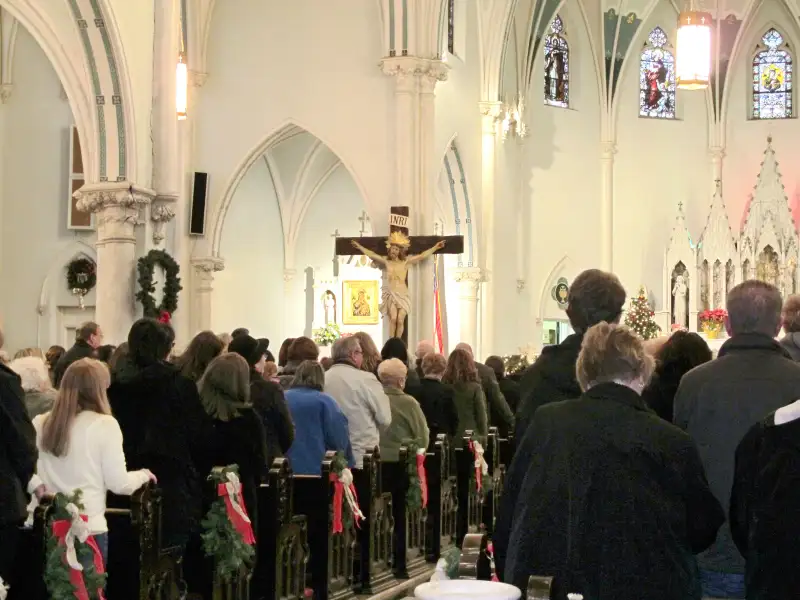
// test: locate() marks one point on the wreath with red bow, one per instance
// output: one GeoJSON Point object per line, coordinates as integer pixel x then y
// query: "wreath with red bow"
{"type": "Point", "coordinates": [172, 285]}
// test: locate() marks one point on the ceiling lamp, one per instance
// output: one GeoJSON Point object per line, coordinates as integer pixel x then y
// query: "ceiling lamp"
{"type": "Point", "coordinates": [693, 64]}
{"type": "Point", "coordinates": [181, 88]}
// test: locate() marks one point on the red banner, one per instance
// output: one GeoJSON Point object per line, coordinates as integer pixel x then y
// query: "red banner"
{"type": "Point", "coordinates": [239, 518]}
{"type": "Point", "coordinates": [478, 470]}
{"type": "Point", "coordinates": [423, 479]}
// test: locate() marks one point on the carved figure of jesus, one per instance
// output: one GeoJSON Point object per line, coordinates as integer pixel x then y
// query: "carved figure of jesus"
{"type": "Point", "coordinates": [679, 293]}
{"type": "Point", "coordinates": [395, 299]}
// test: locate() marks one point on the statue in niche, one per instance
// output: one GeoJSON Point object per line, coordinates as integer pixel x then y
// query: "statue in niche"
{"type": "Point", "coordinates": [680, 297]}
{"type": "Point", "coordinates": [746, 272]}
{"type": "Point", "coordinates": [767, 269]}
{"type": "Point", "coordinates": [729, 276]}
{"type": "Point", "coordinates": [717, 284]}
{"type": "Point", "coordinates": [329, 307]}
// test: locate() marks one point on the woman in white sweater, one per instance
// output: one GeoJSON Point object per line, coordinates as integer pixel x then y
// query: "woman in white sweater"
{"type": "Point", "coordinates": [80, 447]}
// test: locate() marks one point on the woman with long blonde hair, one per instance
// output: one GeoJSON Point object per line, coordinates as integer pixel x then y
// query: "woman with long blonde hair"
{"type": "Point", "coordinates": [80, 446]}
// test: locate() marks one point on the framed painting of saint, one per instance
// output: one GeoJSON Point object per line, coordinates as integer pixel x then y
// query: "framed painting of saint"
{"type": "Point", "coordinates": [360, 303]}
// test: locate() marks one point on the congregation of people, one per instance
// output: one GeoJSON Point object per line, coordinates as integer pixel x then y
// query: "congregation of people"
{"type": "Point", "coordinates": [641, 469]}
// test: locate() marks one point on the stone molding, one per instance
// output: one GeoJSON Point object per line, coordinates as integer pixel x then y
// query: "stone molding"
{"type": "Point", "coordinates": [469, 275]}
{"type": "Point", "coordinates": [412, 69]}
{"type": "Point", "coordinates": [161, 213]}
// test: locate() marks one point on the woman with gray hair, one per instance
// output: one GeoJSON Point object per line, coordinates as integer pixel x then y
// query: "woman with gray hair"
{"type": "Point", "coordinates": [609, 485]}
{"type": "Point", "coordinates": [408, 420]}
{"type": "Point", "coordinates": [35, 379]}
{"type": "Point", "coordinates": [320, 425]}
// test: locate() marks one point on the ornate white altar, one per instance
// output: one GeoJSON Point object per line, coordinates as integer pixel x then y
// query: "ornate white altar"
{"type": "Point", "coordinates": [702, 274]}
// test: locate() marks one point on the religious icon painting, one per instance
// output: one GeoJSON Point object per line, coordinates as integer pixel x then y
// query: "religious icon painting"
{"type": "Point", "coordinates": [360, 303]}
{"type": "Point", "coordinates": [560, 293]}
{"type": "Point", "coordinates": [772, 78]}
{"type": "Point", "coordinates": [657, 78]}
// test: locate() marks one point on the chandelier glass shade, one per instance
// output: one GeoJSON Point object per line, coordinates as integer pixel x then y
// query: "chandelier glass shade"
{"type": "Point", "coordinates": [693, 62]}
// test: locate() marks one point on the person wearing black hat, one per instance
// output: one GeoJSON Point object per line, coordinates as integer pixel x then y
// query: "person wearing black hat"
{"type": "Point", "coordinates": [266, 396]}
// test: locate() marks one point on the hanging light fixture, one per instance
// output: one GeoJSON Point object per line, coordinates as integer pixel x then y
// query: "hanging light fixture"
{"type": "Point", "coordinates": [693, 64]}
{"type": "Point", "coordinates": [181, 87]}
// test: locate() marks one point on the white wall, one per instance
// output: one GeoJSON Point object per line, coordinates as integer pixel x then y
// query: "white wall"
{"type": "Point", "coordinates": [250, 292]}
{"type": "Point", "coordinates": [34, 128]}
{"type": "Point", "coordinates": [310, 62]}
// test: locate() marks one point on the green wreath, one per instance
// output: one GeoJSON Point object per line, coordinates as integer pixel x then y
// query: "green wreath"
{"type": "Point", "coordinates": [172, 285]}
{"type": "Point", "coordinates": [81, 275]}
{"type": "Point", "coordinates": [56, 570]}
{"type": "Point", "coordinates": [221, 541]}
{"type": "Point", "coordinates": [414, 493]}
{"type": "Point", "coordinates": [339, 464]}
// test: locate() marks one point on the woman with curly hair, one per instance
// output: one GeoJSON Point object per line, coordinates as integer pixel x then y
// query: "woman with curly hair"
{"type": "Point", "coordinates": [372, 358]}
{"type": "Point", "coordinates": [470, 400]}
{"type": "Point", "coordinates": [204, 348]}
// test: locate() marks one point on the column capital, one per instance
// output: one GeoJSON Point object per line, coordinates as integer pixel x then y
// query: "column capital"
{"type": "Point", "coordinates": [412, 69]}
{"type": "Point", "coordinates": [608, 149]}
{"type": "Point", "coordinates": [162, 211]}
{"type": "Point", "coordinates": [469, 275]}
{"type": "Point", "coordinates": [197, 78]}
{"type": "Point", "coordinates": [5, 92]}
{"type": "Point", "coordinates": [289, 274]}
{"type": "Point", "coordinates": [717, 152]}
{"type": "Point", "coordinates": [118, 207]}
{"type": "Point", "coordinates": [208, 265]}
{"type": "Point", "coordinates": [493, 109]}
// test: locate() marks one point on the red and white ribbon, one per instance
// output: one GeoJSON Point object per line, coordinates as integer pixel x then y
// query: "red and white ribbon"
{"type": "Point", "coordinates": [69, 531]}
{"type": "Point", "coordinates": [237, 511]}
{"type": "Point", "coordinates": [343, 488]}
{"type": "Point", "coordinates": [481, 466]}
{"type": "Point", "coordinates": [423, 478]}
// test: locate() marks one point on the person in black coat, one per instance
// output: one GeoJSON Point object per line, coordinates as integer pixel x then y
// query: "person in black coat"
{"type": "Point", "coordinates": [88, 338]}
{"type": "Point", "coordinates": [718, 402]}
{"type": "Point", "coordinates": [682, 352]}
{"type": "Point", "coordinates": [436, 399]}
{"type": "Point", "coordinates": [765, 500]}
{"type": "Point", "coordinates": [396, 348]}
{"type": "Point", "coordinates": [164, 427]}
{"type": "Point", "coordinates": [508, 386]}
{"type": "Point", "coordinates": [614, 502]}
{"type": "Point", "coordinates": [266, 397]}
{"type": "Point", "coordinates": [594, 296]}
{"type": "Point", "coordinates": [18, 456]}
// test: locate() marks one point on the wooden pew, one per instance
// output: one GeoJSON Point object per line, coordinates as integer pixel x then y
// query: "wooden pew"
{"type": "Point", "coordinates": [507, 447]}
{"type": "Point", "coordinates": [31, 557]}
{"type": "Point", "coordinates": [330, 564]}
{"type": "Point", "coordinates": [470, 499]}
{"type": "Point", "coordinates": [474, 562]}
{"type": "Point", "coordinates": [408, 554]}
{"type": "Point", "coordinates": [539, 588]}
{"type": "Point", "coordinates": [282, 539]}
{"type": "Point", "coordinates": [440, 534]}
{"type": "Point", "coordinates": [494, 492]}
{"type": "Point", "coordinates": [372, 571]}
{"type": "Point", "coordinates": [139, 568]}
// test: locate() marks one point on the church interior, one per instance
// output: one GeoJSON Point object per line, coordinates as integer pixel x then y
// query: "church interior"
{"type": "Point", "coordinates": [240, 145]}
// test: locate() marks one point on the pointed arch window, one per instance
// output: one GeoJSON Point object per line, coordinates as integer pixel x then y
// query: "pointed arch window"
{"type": "Point", "coordinates": [556, 65]}
{"type": "Point", "coordinates": [657, 77]}
{"type": "Point", "coordinates": [772, 78]}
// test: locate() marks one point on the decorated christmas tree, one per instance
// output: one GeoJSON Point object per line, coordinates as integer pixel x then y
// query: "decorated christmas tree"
{"type": "Point", "coordinates": [639, 317]}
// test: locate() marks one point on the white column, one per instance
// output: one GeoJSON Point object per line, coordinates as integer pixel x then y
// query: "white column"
{"type": "Point", "coordinates": [414, 173]}
{"type": "Point", "coordinates": [717, 154]}
{"type": "Point", "coordinates": [469, 280]}
{"type": "Point", "coordinates": [118, 207]}
{"type": "Point", "coordinates": [166, 176]}
{"type": "Point", "coordinates": [607, 151]}
{"type": "Point", "coordinates": [491, 112]}
{"type": "Point", "coordinates": [203, 270]}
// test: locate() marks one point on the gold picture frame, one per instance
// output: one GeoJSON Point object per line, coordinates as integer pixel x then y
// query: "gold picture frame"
{"type": "Point", "coordinates": [360, 303]}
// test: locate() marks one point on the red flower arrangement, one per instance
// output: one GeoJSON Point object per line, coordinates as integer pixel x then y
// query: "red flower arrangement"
{"type": "Point", "coordinates": [717, 315]}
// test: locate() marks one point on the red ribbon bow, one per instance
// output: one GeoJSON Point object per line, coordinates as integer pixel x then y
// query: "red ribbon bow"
{"type": "Point", "coordinates": [478, 472]}
{"type": "Point", "coordinates": [245, 528]}
{"type": "Point", "coordinates": [165, 317]}
{"type": "Point", "coordinates": [338, 501]}
{"type": "Point", "coordinates": [60, 530]}
{"type": "Point", "coordinates": [423, 479]}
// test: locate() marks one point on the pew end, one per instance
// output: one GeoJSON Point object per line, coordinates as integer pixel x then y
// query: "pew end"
{"type": "Point", "coordinates": [539, 588]}
{"type": "Point", "coordinates": [474, 562]}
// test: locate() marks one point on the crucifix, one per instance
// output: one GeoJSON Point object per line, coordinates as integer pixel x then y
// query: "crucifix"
{"type": "Point", "coordinates": [394, 254]}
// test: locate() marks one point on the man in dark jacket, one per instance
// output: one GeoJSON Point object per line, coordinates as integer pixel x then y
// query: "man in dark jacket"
{"type": "Point", "coordinates": [719, 401]}
{"type": "Point", "coordinates": [17, 463]}
{"type": "Point", "coordinates": [790, 318]}
{"type": "Point", "coordinates": [595, 296]}
{"type": "Point", "coordinates": [508, 387]}
{"type": "Point", "coordinates": [496, 402]}
{"type": "Point", "coordinates": [266, 397]}
{"type": "Point", "coordinates": [764, 504]}
{"type": "Point", "coordinates": [88, 338]}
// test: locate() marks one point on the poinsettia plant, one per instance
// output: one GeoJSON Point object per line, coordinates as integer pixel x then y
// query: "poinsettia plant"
{"type": "Point", "coordinates": [716, 316]}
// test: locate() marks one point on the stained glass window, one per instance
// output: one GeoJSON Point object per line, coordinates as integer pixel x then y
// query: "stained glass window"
{"type": "Point", "coordinates": [556, 65]}
{"type": "Point", "coordinates": [451, 26]}
{"type": "Point", "coordinates": [772, 78]}
{"type": "Point", "coordinates": [657, 78]}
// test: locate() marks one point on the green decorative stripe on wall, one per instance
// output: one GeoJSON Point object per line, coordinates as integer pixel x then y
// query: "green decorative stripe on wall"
{"type": "Point", "coordinates": [117, 98]}
{"type": "Point", "coordinates": [405, 27]}
{"type": "Point", "coordinates": [83, 26]}
{"type": "Point", "coordinates": [392, 48]}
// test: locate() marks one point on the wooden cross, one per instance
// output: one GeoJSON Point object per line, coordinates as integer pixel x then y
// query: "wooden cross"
{"type": "Point", "coordinates": [398, 221]}
{"type": "Point", "coordinates": [364, 218]}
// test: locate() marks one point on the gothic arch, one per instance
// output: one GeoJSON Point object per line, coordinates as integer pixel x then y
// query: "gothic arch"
{"type": "Point", "coordinates": [565, 266]}
{"type": "Point", "coordinates": [460, 199]}
{"type": "Point", "coordinates": [289, 128]}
